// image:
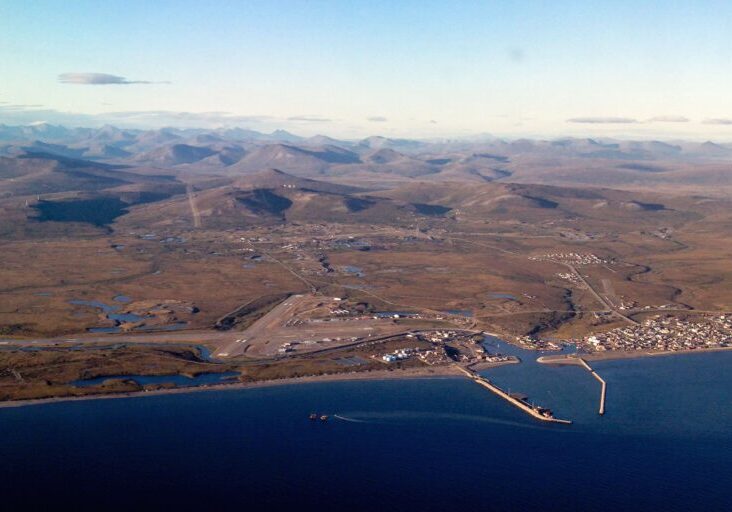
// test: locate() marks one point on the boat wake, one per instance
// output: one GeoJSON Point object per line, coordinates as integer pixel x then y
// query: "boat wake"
{"type": "Point", "coordinates": [404, 417]}
{"type": "Point", "coordinates": [350, 420]}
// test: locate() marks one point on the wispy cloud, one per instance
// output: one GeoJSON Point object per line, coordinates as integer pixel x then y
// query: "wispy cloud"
{"type": "Point", "coordinates": [9, 107]}
{"type": "Point", "coordinates": [722, 120]}
{"type": "Point", "coordinates": [24, 114]}
{"type": "Point", "coordinates": [27, 114]}
{"type": "Point", "coordinates": [100, 79]}
{"type": "Point", "coordinates": [377, 119]}
{"type": "Point", "coordinates": [669, 119]}
{"type": "Point", "coordinates": [309, 119]}
{"type": "Point", "coordinates": [602, 120]}
{"type": "Point", "coordinates": [158, 116]}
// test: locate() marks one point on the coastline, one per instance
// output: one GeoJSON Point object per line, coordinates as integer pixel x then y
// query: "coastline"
{"type": "Point", "coordinates": [572, 359]}
{"type": "Point", "coordinates": [432, 372]}
{"type": "Point", "coordinates": [486, 365]}
{"type": "Point", "coordinates": [440, 372]}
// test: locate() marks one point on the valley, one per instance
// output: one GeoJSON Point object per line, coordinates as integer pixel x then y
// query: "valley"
{"type": "Point", "coordinates": [283, 257]}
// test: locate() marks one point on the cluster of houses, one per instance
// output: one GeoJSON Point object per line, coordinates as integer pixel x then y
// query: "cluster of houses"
{"type": "Point", "coordinates": [573, 258]}
{"type": "Point", "coordinates": [434, 356]}
{"type": "Point", "coordinates": [438, 336]}
{"type": "Point", "coordinates": [399, 355]}
{"type": "Point", "coordinates": [666, 333]}
{"type": "Point", "coordinates": [535, 343]}
{"type": "Point", "coordinates": [446, 346]}
{"type": "Point", "coordinates": [569, 276]}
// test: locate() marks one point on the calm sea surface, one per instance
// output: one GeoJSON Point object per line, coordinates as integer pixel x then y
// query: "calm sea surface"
{"type": "Point", "coordinates": [665, 444]}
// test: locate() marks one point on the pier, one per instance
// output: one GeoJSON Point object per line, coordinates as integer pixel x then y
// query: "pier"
{"type": "Point", "coordinates": [537, 412]}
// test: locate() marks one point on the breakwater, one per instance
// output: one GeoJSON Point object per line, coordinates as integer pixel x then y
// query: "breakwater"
{"type": "Point", "coordinates": [580, 362]}
{"type": "Point", "coordinates": [603, 385]}
{"type": "Point", "coordinates": [539, 413]}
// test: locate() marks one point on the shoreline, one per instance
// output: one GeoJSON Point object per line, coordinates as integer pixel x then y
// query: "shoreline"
{"type": "Point", "coordinates": [487, 365]}
{"type": "Point", "coordinates": [438, 372]}
{"type": "Point", "coordinates": [613, 355]}
{"type": "Point", "coordinates": [442, 372]}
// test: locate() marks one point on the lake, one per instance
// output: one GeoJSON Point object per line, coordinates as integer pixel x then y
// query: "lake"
{"type": "Point", "coordinates": [119, 318]}
{"type": "Point", "coordinates": [443, 444]}
{"type": "Point", "coordinates": [179, 380]}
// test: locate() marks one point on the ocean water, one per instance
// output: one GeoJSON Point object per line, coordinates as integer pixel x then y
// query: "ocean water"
{"type": "Point", "coordinates": [443, 444]}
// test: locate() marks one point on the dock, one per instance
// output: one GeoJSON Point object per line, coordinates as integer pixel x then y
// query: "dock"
{"type": "Point", "coordinates": [537, 412]}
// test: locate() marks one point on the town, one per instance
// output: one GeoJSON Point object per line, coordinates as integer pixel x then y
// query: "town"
{"type": "Point", "coordinates": [571, 258]}
{"type": "Point", "coordinates": [447, 346]}
{"type": "Point", "coordinates": [665, 333]}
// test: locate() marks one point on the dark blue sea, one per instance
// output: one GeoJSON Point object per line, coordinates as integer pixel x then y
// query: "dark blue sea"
{"type": "Point", "coordinates": [665, 444]}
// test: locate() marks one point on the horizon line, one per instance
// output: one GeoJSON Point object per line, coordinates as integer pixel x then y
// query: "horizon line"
{"type": "Point", "coordinates": [480, 137]}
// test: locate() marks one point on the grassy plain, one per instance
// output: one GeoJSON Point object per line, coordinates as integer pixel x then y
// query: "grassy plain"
{"type": "Point", "coordinates": [515, 260]}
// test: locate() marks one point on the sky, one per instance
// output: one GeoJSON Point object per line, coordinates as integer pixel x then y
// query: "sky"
{"type": "Point", "coordinates": [356, 68]}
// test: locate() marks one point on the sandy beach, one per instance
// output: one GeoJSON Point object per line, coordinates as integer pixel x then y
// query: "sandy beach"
{"type": "Point", "coordinates": [433, 372]}
{"type": "Point", "coordinates": [559, 359]}
{"type": "Point", "coordinates": [416, 373]}
{"type": "Point", "coordinates": [485, 365]}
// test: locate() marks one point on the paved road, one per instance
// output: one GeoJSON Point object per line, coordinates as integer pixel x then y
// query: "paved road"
{"type": "Point", "coordinates": [256, 336]}
{"type": "Point", "coordinates": [194, 209]}
{"type": "Point", "coordinates": [597, 296]}
{"type": "Point", "coordinates": [186, 336]}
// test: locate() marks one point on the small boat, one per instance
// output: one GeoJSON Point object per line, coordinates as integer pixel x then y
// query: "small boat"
{"type": "Point", "coordinates": [313, 416]}
{"type": "Point", "coordinates": [324, 418]}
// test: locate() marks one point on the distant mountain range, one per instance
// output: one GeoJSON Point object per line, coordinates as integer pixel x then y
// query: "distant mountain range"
{"type": "Point", "coordinates": [198, 155]}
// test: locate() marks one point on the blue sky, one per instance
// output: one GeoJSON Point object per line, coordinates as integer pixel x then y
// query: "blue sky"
{"type": "Point", "coordinates": [615, 68]}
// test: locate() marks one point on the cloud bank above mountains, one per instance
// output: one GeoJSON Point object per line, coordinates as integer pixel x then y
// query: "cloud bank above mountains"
{"type": "Point", "coordinates": [674, 126]}
{"type": "Point", "coordinates": [718, 121]}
